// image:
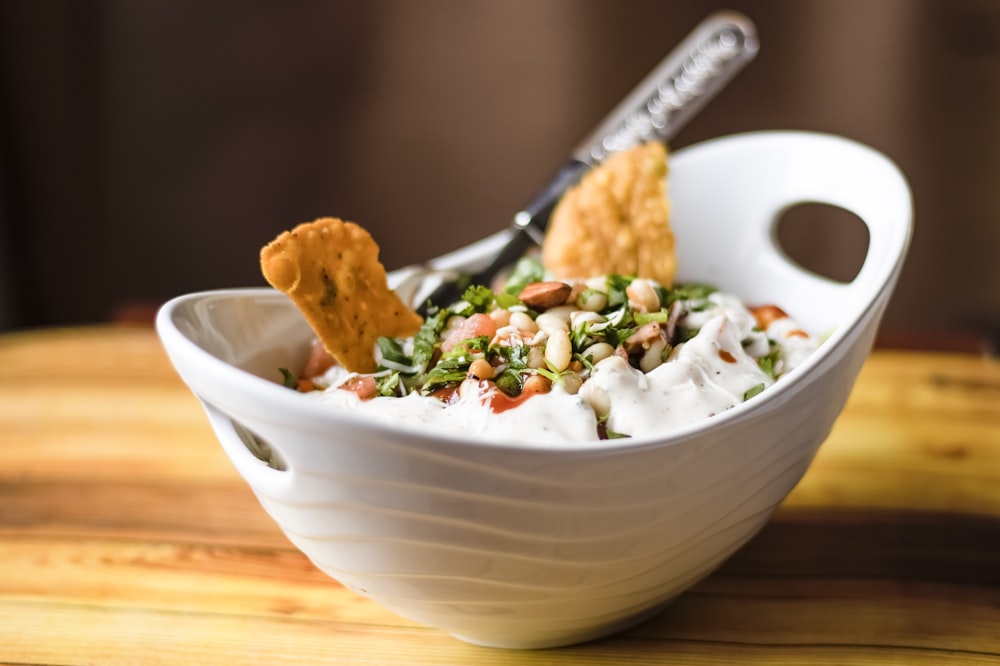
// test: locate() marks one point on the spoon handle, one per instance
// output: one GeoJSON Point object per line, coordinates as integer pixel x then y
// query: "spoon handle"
{"type": "Point", "coordinates": [656, 109]}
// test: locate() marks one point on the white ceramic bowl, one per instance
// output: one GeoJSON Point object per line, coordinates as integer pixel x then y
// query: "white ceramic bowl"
{"type": "Point", "coordinates": [522, 545]}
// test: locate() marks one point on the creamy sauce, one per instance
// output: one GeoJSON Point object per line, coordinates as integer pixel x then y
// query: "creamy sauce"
{"type": "Point", "coordinates": [706, 375]}
{"type": "Point", "coordinates": [551, 417]}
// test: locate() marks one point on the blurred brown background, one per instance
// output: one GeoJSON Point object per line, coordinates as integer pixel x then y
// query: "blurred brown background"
{"type": "Point", "coordinates": [150, 148]}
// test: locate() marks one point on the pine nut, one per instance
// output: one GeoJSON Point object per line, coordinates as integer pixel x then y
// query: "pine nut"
{"type": "Point", "coordinates": [564, 312]}
{"type": "Point", "coordinates": [523, 321]}
{"type": "Point", "coordinates": [653, 357]}
{"type": "Point", "coordinates": [571, 383]}
{"type": "Point", "coordinates": [536, 358]}
{"type": "Point", "coordinates": [559, 350]}
{"type": "Point", "coordinates": [592, 300]}
{"type": "Point", "coordinates": [551, 323]}
{"type": "Point", "coordinates": [597, 352]}
{"type": "Point", "coordinates": [501, 317]}
{"type": "Point", "coordinates": [642, 294]}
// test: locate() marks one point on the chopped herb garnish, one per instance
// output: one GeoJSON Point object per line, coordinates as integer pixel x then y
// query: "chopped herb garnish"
{"type": "Point", "coordinates": [526, 271]}
{"type": "Point", "coordinates": [621, 325]}
{"type": "Point", "coordinates": [550, 372]}
{"type": "Point", "coordinates": [752, 391]}
{"type": "Point", "coordinates": [516, 356]}
{"type": "Point", "coordinates": [449, 370]}
{"type": "Point", "coordinates": [388, 384]}
{"type": "Point", "coordinates": [647, 317]}
{"type": "Point", "coordinates": [288, 379]}
{"type": "Point", "coordinates": [617, 284]}
{"type": "Point", "coordinates": [477, 345]}
{"type": "Point", "coordinates": [509, 381]}
{"type": "Point", "coordinates": [767, 363]}
{"type": "Point", "coordinates": [689, 292]}
{"type": "Point", "coordinates": [506, 301]}
{"type": "Point", "coordinates": [478, 298]}
{"type": "Point", "coordinates": [580, 337]}
{"type": "Point", "coordinates": [426, 340]}
{"type": "Point", "coordinates": [392, 351]}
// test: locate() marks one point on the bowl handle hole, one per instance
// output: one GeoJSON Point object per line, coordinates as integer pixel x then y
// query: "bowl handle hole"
{"type": "Point", "coordinates": [259, 448]}
{"type": "Point", "coordinates": [823, 239]}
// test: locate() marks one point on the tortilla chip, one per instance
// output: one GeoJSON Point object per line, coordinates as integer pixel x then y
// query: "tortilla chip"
{"type": "Point", "coordinates": [330, 270]}
{"type": "Point", "coordinates": [616, 220]}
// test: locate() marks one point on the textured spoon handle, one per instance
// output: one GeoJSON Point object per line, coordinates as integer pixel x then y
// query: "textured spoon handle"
{"type": "Point", "coordinates": [657, 108]}
{"type": "Point", "coordinates": [678, 88]}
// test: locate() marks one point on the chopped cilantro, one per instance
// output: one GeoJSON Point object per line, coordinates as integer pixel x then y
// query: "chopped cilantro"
{"type": "Point", "coordinates": [767, 363]}
{"type": "Point", "coordinates": [616, 290]}
{"type": "Point", "coordinates": [476, 345]}
{"type": "Point", "coordinates": [549, 373]}
{"type": "Point", "coordinates": [449, 370]}
{"type": "Point", "coordinates": [526, 271]}
{"type": "Point", "coordinates": [509, 381]}
{"type": "Point", "coordinates": [581, 337]}
{"type": "Point", "coordinates": [388, 384]}
{"type": "Point", "coordinates": [516, 357]}
{"type": "Point", "coordinates": [392, 350]}
{"type": "Point", "coordinates": [621, 324]}
{"type": "Point", "coordinates": [506, 301]}
{"type": "Point", "coordinates": [479, 298]}
{"type": "Point", "coordinates": [426, 340]}
{"type": "Point", "coordinates": [288, 379]}
{"type": "Point", "coordinates": [454, 366]}
{"type": "Point", "coordinates": [586, 361]}
{"type": "Point", "coordinates": [690, 292]}
{"type": "Point", "coordinates": [752, 391]}
{"type": "Point", "coordinates": [647, 317]}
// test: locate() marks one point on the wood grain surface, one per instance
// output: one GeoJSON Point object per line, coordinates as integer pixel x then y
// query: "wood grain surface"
{"type": "Point", "coordinates": [126, 537]}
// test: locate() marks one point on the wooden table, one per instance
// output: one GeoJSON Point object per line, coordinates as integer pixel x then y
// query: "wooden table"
{"type": "Point", "coordinates": [126, 537]}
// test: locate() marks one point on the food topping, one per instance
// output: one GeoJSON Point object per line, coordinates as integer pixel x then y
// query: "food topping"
{"type": "Point", "coordinates": [615, 221]}
{"type": "Point", "coordinates": [631, 367]}
{"type": "Point", "coordinates": [330, 269]}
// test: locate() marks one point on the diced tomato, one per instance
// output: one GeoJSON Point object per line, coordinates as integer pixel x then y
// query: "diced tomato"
{"type": "Point", "coordinates": [767, 315]}
{"type": "Point", "coordinates": [475, 326]}
{"type": "Point", "coordinates": [363, 385]}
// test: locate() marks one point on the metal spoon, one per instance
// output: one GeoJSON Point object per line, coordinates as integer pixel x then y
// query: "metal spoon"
{"type": "Point", "coordinates": [656, 109]}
